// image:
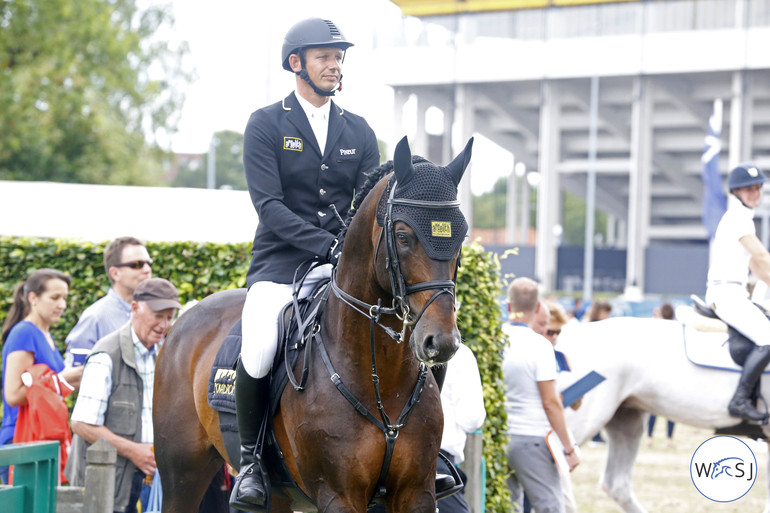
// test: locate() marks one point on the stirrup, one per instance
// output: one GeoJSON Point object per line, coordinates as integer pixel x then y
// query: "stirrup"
{"type": "Point", "coordinates": [251, 468]}
{"type": "Point", "coordinates": [446, 484]}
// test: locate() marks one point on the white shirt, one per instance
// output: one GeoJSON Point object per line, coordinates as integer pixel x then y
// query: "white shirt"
{"type": "Point", "coordinates": [528, 359]}
{"type": "Point", "coordinates": [729, 258]}
{"type": "Point", "coordinates": [318, 118]}
{"type": "Point", "coordinates": [462, 400]}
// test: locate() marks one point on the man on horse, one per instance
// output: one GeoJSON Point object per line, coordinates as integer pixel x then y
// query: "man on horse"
{"type": "Point", "coordinates": [736, 251]}
{"type": "Point", "coordinates": [304, 158]}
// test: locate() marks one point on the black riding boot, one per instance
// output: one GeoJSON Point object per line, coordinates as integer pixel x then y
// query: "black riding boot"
{"type": "Point", "coordinates": [251, 403]}
{"type": "Point", "coordinates": [740, 405]}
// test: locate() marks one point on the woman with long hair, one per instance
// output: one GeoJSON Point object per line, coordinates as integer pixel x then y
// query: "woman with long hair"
{"type": "Point", "coordinates": [38, 303]}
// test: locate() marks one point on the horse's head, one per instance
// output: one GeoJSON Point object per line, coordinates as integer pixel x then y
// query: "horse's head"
{"type": "Point", "coordinates": [418, 249]}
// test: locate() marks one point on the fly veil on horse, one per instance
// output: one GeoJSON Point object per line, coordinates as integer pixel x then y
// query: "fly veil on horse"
{"type": "Point", "coordinates": [339, 447]}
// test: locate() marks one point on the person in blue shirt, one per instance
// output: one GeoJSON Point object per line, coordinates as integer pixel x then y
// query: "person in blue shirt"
{"type": "Point", "coordinates": [127, 264]}
{"type": "Point", "coordinates": [38, 303]}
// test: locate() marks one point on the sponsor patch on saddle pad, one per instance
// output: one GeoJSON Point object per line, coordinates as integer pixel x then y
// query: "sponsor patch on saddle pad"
{"type": "Point", "coordinates": [709, 349]}
{"type": "Point", "coordinates": [221, 388]}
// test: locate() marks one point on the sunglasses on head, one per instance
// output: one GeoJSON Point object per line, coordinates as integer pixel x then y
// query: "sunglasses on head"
{"type": "Point", "coordinates": [136, 264]}
{"type": "Point", "coordinates": [552, 333]}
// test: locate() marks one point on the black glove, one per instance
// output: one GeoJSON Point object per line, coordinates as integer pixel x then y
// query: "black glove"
{"type": "Point", "coordinates": [335, 250]}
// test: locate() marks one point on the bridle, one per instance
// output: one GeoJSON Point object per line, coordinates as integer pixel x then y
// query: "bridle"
{"type": "Point", "coordinates": [399, 305]}
{"type": "Point", "coordinates": [400, 308]}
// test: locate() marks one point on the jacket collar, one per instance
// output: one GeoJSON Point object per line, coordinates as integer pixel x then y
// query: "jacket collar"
{"type": "Point", "coordinates": [296, 115]}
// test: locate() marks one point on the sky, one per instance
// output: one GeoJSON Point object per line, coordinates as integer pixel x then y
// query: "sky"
{"type": "Point", "coordinates": [235, 51]}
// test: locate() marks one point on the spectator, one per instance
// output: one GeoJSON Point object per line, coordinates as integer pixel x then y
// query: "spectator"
{"type": "Point", "coordinates": [116, 399]}
{"type": "Point", "coordinates": [540, 322]}
{"type": "Point", "coordinates": [600, 310]}
{"type": "Point", "coordinates": [462, 400]}
{"type": "Point", "coordinates": [578, 310]}
{"type": "Point", "coordinates": [127, 264]}
{"type": "Point", "coordinates": [38, 303]}
{"type": "Point", "coordinates": [557, 319]}
{"type": "Point", "coordinates": [533, 406]}
{"type": "Point", "coordinates": [664, 311]}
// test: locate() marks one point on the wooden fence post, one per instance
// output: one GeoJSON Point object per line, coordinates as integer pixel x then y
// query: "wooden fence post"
{"type": "Point", "coordinates": [474, 490]}
{"type": "Point", "coordinates": [100, 477]}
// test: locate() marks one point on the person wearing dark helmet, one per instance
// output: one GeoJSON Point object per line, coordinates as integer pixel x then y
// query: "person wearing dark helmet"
{"type": "Point", "coordinates": [304, 158]}
{"type": "Point", "coordinates": [736, 251]}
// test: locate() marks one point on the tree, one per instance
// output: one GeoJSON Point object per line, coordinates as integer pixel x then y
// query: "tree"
{"type": "Point", "coordinates": [228, 165]}
{"type": "Point", "coordinates": [85, 90]}
{"type": "Point", "coordinates": [489, 212]}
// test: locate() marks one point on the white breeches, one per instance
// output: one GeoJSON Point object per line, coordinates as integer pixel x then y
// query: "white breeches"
{"type": "Point", "coordinates": [263, 305]}
{"type": "Point", "coordinates": [732, 304]}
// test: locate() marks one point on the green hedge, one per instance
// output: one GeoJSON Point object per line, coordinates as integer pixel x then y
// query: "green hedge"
{"type": "Point", "coordinates": [200, 269]}
{"type": "Point", "coordinates": [479, 321]}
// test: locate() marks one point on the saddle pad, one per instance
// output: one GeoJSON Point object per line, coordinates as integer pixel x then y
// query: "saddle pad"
{"type": "Point", "coordinates": [708, 349]}
{"type": "Point", "coordinates": [221, 388]}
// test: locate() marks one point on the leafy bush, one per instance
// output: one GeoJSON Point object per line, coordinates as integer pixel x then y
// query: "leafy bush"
{"type": "Point", "coordinates": [478, 289]}
{"type": "Point", "coordinates": [200, 269]}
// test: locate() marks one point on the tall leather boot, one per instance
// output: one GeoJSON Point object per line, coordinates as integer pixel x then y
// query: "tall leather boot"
{"type": "Point", "coordinates": [740, 405]}
{"type": "Point", "coordinates": [250, 490]}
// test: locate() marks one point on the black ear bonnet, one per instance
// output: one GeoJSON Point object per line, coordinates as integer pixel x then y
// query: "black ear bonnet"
{"type": "Point", "coordinates": [441, 231]}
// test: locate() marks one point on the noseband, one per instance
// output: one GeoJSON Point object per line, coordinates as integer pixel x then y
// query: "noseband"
{"type": "Point", "coordinates": [400, 304]}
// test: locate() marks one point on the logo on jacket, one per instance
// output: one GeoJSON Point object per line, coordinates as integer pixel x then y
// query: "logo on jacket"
{"type": "Point", "coordinates": [292, 143]}
{"type": "Point", "coordinates": [343, 152]}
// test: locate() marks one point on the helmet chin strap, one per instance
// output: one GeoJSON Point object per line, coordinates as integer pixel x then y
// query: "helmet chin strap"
{"type": "Point", "coordinates": [304, 76]}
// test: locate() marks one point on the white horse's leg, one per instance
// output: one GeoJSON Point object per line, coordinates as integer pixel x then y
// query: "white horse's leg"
{"type": "Point", "coordinates": [624, 432]}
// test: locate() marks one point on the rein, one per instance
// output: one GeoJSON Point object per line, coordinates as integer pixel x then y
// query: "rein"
{"type": "Point", "coordinates": [399, 308]}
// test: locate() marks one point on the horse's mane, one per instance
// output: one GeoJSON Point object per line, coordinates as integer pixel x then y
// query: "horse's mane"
{"type": "Point", "coordinates": [372, 177]}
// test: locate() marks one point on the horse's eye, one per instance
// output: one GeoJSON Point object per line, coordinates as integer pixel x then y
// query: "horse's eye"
{"type": "Point", "coordinates": [403, 238]}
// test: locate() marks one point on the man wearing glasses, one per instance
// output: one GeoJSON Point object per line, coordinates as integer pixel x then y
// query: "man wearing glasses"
{"type": "Point", "coordinates": [127, 264]}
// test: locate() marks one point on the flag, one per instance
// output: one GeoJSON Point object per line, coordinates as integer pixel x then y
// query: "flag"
{"type": "Point", "coordinates": [714, 199]}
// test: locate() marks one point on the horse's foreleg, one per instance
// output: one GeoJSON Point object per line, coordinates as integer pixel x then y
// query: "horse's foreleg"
{"type": "Point", "coordinates": [624, 433]}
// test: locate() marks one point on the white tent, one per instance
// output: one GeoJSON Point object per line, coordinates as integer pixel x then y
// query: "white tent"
{"type": "Point", "coordinates": [102, 212]}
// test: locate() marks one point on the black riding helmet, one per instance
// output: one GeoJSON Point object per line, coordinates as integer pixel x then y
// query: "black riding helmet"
{"type": "Point", "coordinates": [312, 32]}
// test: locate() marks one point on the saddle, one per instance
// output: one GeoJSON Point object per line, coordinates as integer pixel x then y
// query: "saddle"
{"type": "Point", "coordinates": [297, 323]}
{"type": "Point", "coordinates": [739, 347]}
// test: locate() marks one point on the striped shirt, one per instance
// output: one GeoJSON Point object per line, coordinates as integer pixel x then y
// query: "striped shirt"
{"type": "Point", "coordinates": [96, 386]}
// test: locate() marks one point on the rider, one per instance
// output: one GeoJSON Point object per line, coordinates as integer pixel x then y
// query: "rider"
{"type": "Point", "coordinates": [736, 250]}
{"type": "Point", "coordinates": [304, 157]}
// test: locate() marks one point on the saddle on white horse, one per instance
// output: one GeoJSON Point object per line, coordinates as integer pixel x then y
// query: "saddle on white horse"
{"type": "Point", "coordinates": [708, 339]}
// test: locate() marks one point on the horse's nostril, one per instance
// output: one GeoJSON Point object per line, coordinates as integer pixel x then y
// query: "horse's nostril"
{"type": "Point", "coordinates": [429, 346]}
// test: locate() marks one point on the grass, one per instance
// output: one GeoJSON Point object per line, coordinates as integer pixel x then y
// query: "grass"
{"type": "Point", "coordinates": [661, 477]}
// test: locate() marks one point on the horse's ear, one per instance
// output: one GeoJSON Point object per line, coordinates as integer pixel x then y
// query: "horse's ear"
{"type": "Point", "coordinates": [402, 161]}
{"type": "Point", "coordinates": [456, 168]}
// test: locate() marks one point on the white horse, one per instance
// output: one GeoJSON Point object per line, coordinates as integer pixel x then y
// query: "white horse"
{"type": "Point", "coordinates": [647, 369]}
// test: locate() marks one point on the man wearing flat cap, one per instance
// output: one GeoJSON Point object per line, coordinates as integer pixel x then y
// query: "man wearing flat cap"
{"type": "Point", "coordinates": [115, 400]}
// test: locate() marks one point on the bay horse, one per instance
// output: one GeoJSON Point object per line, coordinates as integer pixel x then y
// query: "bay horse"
{"type": "Point", "coordinates": [387, 287]}
{"type": "Point", "coordinates": [647, 369]}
